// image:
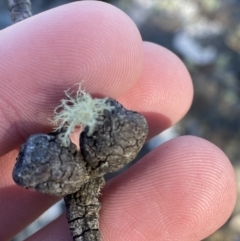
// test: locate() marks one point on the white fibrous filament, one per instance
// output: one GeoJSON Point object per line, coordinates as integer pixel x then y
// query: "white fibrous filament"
{"type": "Point", "coordinates": [77, 111]}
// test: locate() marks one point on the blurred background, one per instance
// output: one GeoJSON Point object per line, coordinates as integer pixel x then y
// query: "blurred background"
{"type": "Point", "coordinates": [205, 34]}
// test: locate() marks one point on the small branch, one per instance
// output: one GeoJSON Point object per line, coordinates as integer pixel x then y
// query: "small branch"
{"type": "Point", "coordinates": [20, 9]}
{"type": "Point", "coordinates": [82, 210]}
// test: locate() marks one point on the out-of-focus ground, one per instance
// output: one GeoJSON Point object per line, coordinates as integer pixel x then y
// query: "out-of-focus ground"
{"type": "Point", "coordinates": [205, 34]}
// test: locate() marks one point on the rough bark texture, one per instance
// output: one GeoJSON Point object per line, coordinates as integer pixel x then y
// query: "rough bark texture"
{"type": "Point", "coordinates": [83, 211]}
{"type": "Point", "coordinates": [20, 9]}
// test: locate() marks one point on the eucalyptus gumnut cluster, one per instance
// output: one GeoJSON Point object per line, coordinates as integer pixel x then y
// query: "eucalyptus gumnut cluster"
{"type": "Point", "coordinates": [50, 163]}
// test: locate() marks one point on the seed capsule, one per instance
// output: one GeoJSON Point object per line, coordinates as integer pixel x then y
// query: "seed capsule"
{"type": "Point", "coordinates": [52, 164]}
{"type": "Point", "coordinates": [45, 165]}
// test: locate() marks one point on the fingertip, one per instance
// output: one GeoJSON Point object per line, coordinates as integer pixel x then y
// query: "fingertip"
{"type": "Point", "coordinates": [86, 40]}
{"type": "Point", "coordinates": [164, 91]}
{"type": "Point", "coordinates": [205, 185]}
{"type": "Point", "coordinates": [185, 189]}
{"type": "Point", "coordinates": [174, 87]}
{"type": "Point", "coordinates": [44, 55]}
{"type": "Point", "coordinates": [164, 85]}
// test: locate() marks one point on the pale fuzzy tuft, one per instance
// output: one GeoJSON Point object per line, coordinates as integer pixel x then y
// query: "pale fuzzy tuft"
{"type": "Point", "coordinates": [79, 111]}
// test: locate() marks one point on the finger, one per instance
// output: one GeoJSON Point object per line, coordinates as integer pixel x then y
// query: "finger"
{"type": "Point", "coordinates": [184, 190]}
{"type": "Point", "coordinates": [40, 57]}
{"type": "Point", "coordinates": [164, 90]}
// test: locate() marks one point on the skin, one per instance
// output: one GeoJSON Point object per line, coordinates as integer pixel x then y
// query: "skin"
{"type": "Point", "coordinates": [184, 189]}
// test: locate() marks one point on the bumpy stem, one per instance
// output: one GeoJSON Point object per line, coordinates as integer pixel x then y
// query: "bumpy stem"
{"type": "Point", "coordinates": [20, 9]}
{"type": "Point", "coordinates": [83, 211]}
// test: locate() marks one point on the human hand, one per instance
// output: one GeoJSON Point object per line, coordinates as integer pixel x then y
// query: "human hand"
{"type": "Point", "coordinates": [183, 190]}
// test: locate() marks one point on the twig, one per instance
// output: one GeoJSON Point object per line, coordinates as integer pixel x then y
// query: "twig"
{"type": "Point", "coordinates": [20, 9]}
{"type": "Point", "coordinates": [82, 210]}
